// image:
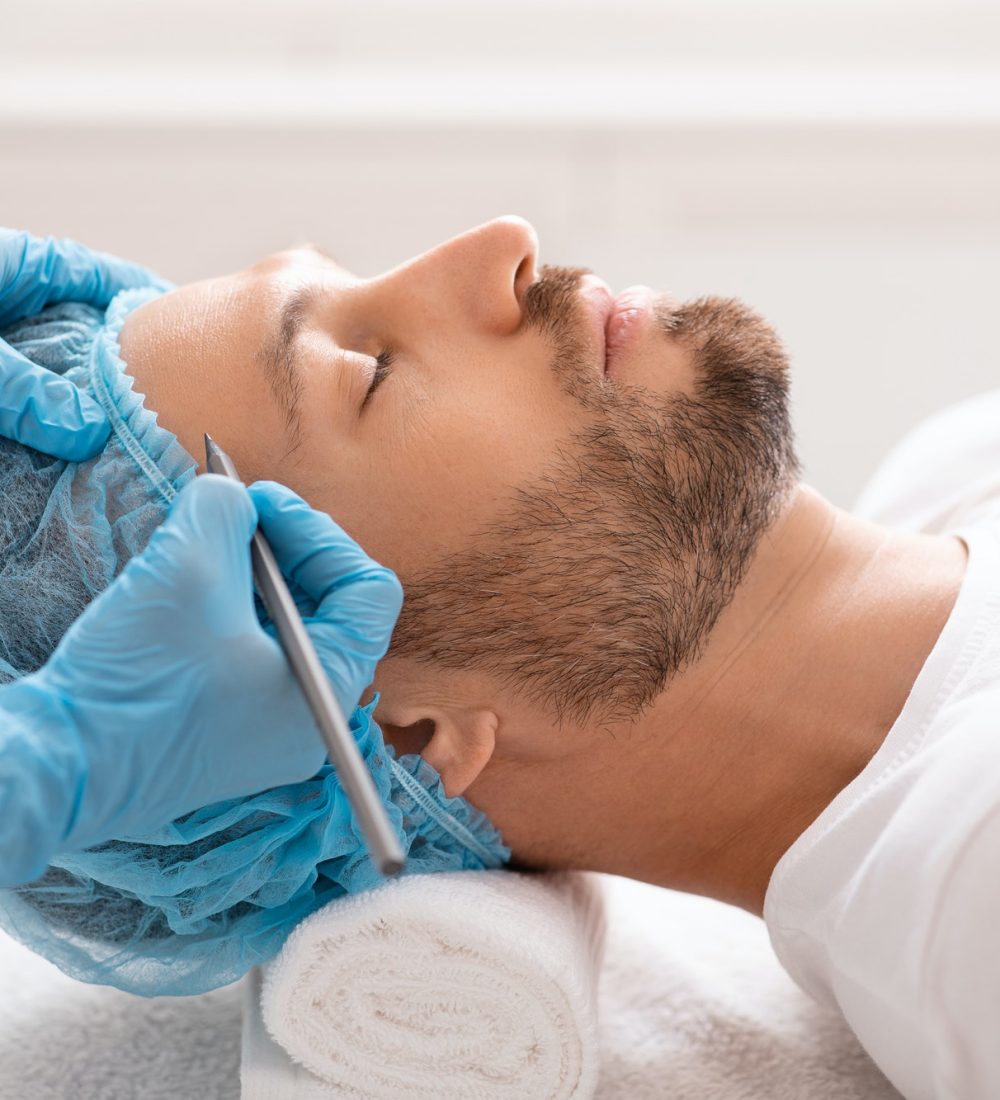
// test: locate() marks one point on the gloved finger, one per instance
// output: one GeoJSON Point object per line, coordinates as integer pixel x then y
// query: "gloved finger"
{"type": "Point", "coordinates": [304, 604]}
{"type": "Point", "coordinates": [354, 595]}
{"type": "Point", "coordinates": [198, 559]}
{"type": "Point", "coordinates": [189, 589]}
{"type": "Point", "coordinates": [39, 271]}
{"type": "Point", "coordinates": [47, 412]}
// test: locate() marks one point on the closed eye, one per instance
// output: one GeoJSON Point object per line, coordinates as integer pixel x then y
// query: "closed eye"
{"type": "Point", "coordinates": [383, 367]}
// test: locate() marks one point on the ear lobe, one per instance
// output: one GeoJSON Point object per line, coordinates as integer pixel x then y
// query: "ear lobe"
{"type": "Point", "coordinates": [461, 746]}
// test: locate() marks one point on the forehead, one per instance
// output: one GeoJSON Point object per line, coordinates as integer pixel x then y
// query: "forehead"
{"type": "Point", "coordinates": [239, 312]}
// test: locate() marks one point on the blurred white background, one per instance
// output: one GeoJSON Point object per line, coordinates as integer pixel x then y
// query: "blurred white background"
{"type": "Point", "coordinates": [836, 163]}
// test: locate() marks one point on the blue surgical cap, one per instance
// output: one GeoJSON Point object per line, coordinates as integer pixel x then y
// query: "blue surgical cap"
{"type": "Point", "coordinates": [195, 905]}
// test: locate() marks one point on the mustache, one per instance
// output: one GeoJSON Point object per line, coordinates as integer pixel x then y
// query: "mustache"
{"type": "Point", "coordinates": [550, 302]}
{"type": "Point", "coordinates": [552, 307]}
{"type": "Point", "coordinates": [739, 360]}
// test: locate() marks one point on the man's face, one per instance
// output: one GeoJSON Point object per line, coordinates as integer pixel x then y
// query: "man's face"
{"type": "Point", "coordinates": [572, 532]}
{"type": "Point", "coordinates": [469, 409]}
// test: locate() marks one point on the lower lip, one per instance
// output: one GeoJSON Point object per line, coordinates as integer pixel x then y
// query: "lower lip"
{"type": "Point", "coordinates": [630, 317]}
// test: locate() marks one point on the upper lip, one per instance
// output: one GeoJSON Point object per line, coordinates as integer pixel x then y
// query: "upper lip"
{"type": "Point", "coordinates": [599, 304]}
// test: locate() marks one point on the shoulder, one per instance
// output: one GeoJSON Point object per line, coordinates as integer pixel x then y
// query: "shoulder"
{"type": "Point", "coordinates": [888, 857]}
{"type": "Point", "coordinates": [960, 967]}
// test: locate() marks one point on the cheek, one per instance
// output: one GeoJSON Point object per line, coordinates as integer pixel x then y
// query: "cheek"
{"type": "Point", "coordinates": [405, 508]}
{"type": "Point", "coordinates": [435, 457]}
{"type": "Point", "coordinates": [415, 502]}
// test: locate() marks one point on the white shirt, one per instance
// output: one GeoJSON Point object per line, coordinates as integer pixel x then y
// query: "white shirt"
{"type": "Point", "coordinates": [888, 905]}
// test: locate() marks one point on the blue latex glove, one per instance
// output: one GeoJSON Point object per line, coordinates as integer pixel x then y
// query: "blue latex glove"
{"type": "Point", "coordinates": [166, 694]}
{"type": "Point", "coordinates": [37, 407]}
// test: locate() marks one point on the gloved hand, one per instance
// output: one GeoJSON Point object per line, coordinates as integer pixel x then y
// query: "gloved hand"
{"type": "Point", "coordinates": [37, 407]}
{"type": "Point", "coordinates": [167, 690]}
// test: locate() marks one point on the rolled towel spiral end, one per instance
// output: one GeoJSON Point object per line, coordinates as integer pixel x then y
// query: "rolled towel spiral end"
{"type": "Point", "coordinates": [461, 984]}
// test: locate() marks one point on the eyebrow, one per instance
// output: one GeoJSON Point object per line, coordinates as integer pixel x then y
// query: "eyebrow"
{"type": "Point", "coordinates": [281, 366]}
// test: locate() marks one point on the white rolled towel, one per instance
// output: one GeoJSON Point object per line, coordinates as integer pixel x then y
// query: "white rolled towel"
{"type": "Point", "coordinates": [472, 985]}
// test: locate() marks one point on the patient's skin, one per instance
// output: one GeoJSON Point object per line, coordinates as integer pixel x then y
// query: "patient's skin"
{"type": "Point", "coordinates": [807, 666]}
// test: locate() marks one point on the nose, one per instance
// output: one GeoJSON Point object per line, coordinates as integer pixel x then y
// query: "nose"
{"type": "Point", "coordinates": [482, 274]}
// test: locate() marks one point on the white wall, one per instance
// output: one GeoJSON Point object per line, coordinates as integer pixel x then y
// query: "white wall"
{"type": "Point", "coordinates": [836, 165]}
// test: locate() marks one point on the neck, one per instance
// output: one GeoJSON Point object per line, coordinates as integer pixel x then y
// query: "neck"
{"type": "Point", "coordinates": [804, 675]}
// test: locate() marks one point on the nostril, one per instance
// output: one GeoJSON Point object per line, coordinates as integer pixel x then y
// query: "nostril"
{"type": "Point", "coordinates": [524, 276]}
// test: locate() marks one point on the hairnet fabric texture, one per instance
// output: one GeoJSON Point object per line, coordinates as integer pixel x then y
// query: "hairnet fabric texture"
{"type": "Point", "coordinates": [193, 906]}
{"type": "Point", "coordinates": [67, 529]}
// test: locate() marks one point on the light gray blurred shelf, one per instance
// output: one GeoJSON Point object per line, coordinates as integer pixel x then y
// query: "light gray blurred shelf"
{"type": "Point", "coordinates": [390, 97]}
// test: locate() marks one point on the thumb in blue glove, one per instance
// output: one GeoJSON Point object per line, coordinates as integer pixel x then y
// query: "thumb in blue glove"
{"type": "Point", "coordinates": [37, 407]}
{"type": "Point", "coordinates": [178, 697]}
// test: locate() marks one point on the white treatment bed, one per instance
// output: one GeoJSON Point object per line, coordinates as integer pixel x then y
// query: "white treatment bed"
{"type": "Point", "coordinates": [693, 1006]}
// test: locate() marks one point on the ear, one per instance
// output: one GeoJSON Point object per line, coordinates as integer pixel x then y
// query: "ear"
{"type": "Point", "coordinates": [457, 741]}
